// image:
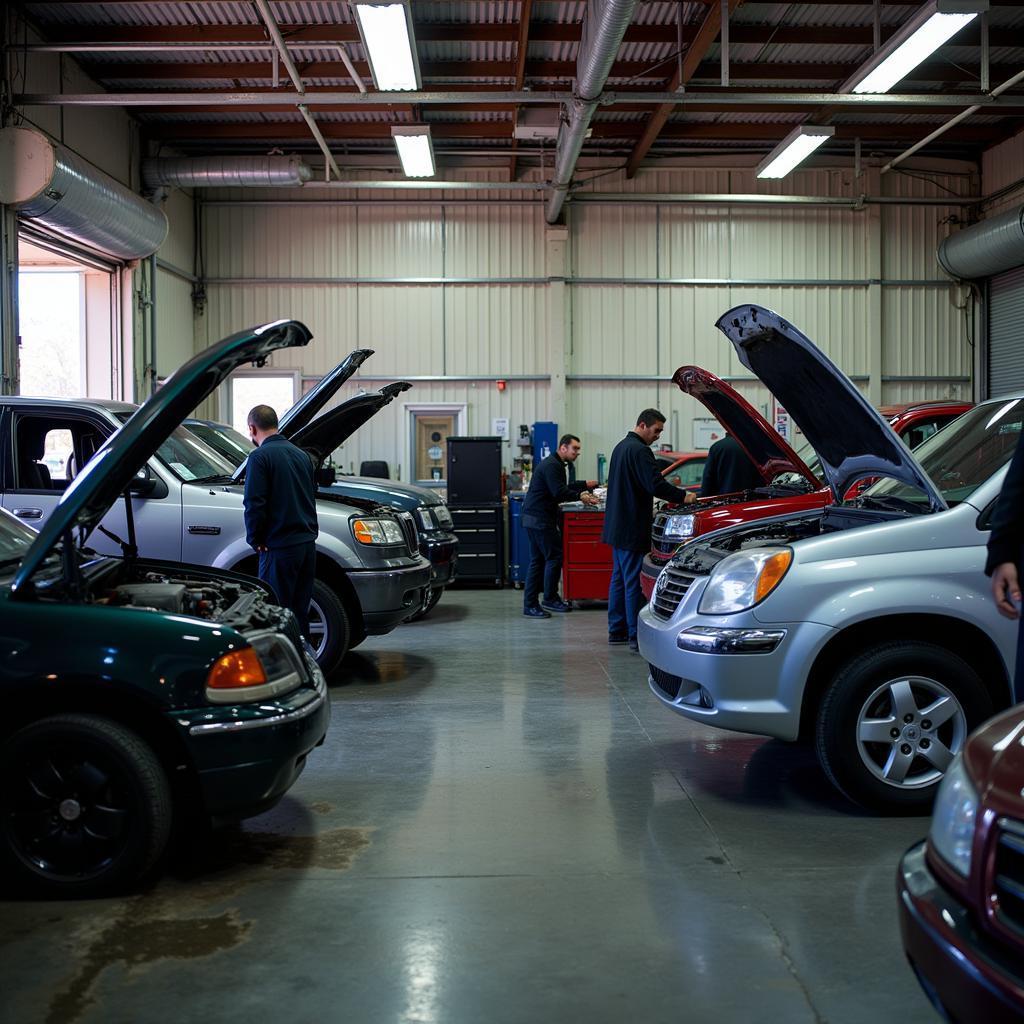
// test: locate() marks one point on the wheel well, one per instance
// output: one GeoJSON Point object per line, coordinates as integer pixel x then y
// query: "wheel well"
{"type": "Point", "coordinates": [327, 571]}
{"type": "Point", "coordinates": [963, 639]}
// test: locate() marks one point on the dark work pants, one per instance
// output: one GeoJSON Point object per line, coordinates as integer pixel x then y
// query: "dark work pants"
{"type": "Point", "coordinates": [545, 563]}
{"type": "Point", "coordinates": [290, 571]}
{"type": "Point", "coordinates": [624, 595]}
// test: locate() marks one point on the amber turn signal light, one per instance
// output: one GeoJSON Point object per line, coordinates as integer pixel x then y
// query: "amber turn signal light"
{"type": "Point", "coordinates": [237, 669]}
{"type": "Point", "coordinates": [773, 571]}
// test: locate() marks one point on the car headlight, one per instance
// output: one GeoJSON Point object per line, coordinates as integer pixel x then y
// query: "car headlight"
{"type": "Point", "coordinates": [444, 517]}
{"type": "Point", "coordinates": [425, 519]}
{"type": "Point", "coordinates": [743, 580]}
{"type": "Point", "coordinates": [269, 667]}
{"type": "Point", "coordinates": [377, 531]}
{"type": "Point", "coordinates": [956, 804]}
{"type": "Point", "coordinates": [678, 527]}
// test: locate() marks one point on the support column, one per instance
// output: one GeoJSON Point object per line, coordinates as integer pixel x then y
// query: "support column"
{"type": "Point", "coordinates": [556, 244]}
{"type": "Point", "coordinates": [9, 376]}
{"type": "Point", "coordinates": [875, 315]}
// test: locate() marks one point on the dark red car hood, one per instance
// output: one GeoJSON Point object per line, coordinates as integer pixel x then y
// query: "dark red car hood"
{"type": "Point", "coordinates": [754, 434]}
{"type": "Point", "coordinates": [995, 761]}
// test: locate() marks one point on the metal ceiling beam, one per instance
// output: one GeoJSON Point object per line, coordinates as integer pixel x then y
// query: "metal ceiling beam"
{"type": "Point", "coordinates": [724, 98]}
{"type": "Point", "coordinates": [522, 45]}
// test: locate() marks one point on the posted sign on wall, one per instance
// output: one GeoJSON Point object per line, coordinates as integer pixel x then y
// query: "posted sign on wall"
{"type": "Point", "coordinates": [781, 421]}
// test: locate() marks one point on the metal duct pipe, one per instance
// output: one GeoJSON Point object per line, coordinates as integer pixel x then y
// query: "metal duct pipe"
{"type": "Point", "coordinates": [984, 249]}
{"type": "Point", "coordinates": [45, 182]}
{"type": "Point", "coordinates": [214, 171]}
{"type": "Point", "coordinates": [605, 25]}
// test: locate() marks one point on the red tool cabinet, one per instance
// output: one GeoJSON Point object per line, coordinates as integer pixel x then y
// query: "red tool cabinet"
{"type": "Point", "coordinates": [586, 562]}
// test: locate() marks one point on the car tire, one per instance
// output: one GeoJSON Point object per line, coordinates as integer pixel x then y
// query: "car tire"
{"type": "Point", "coordinates": [891, 721]}
{"type": "Point", "coordinates": [330, 632]}
{"type": "Point", "coordinates": [429, 604]}
{"type": "Point", "coordinates": [85, 808]}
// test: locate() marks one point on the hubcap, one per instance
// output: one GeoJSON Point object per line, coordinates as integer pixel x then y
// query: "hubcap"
{"type": "Point", "coordinates": [70, 810]}
{"type": "Point", "coordinates": [317, 629]}
{"type": "Point", "coordinates": [908, 731]}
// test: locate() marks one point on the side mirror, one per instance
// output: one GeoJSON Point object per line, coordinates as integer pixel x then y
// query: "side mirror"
{"type": "Point", "coordinates": [144, 483]}
{"type": "Point", "coordinates": [325, 476]}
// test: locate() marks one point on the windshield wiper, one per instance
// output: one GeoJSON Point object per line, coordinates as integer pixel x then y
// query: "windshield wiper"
{"type": "Point", "coordinates": [212, 479]}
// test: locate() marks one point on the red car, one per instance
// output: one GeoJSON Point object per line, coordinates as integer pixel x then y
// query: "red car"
{"type": "Point", "coordinates": [791, 484]}
{"type": "Point", "coordinates": [961, 892]}
{"type": "Point", "coordinates": [682, 469]}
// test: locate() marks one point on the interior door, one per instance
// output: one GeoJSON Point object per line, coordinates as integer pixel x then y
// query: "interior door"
{"type": "Point", "coordinates": [432, 431]}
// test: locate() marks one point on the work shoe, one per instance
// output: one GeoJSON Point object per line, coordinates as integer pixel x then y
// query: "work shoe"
{"type": "Point", "coordinates": [536, 612]}
{"type": "Point", "coordinates": [633, 644]}
{"type": "Point", "coordinates": [558, 605]}
{"type": "Point", "coordinates": [617, 638]}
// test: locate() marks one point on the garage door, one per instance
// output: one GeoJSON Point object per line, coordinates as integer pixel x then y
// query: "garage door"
{"type": "Point", "coordinates": [1006, 332]}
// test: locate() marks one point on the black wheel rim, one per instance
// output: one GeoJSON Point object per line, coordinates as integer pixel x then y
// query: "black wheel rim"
{"type": "Point", "coordinates": [70, 810]}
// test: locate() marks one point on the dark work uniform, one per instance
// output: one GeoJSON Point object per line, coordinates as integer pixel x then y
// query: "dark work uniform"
{"type": "Point", "coordinates": [280, 515]}
{"type": "Point", "coordinates": [633, 482]}
{"type": "Point", "coordinates": [728, 469]}
{"type": "Point", "coordinates": [548, 489]}
{"type": "Point", "coordinates": [1006, 544]}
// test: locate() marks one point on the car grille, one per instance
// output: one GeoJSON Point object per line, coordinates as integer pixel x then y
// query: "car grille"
{"type": "Point", "coordinates": [666, 682]}
{"type": "Point", "coordinates": [408, 524]}
{"type": "Point", "coordinates": [658, 541]}
{"type": "Point", "coordinates": [1008, 875]}
{"type": "Point", "coordinates": [672, 584]}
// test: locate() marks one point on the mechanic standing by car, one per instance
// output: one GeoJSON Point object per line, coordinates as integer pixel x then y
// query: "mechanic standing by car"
{"type": "Point", "coordinates": [280, 513]}
{"type": "Point", "coordinates": [552, 483]}
{"type": "Point", "coordinates": [633, 483]}
{"type": "Point", "coordinates": [1006, 553]}
{"type": "Point", "coordinates": [728, 469]}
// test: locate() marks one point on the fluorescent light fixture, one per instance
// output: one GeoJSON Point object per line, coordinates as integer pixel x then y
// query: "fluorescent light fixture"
{"type": "Point", "coordinates": [415, 150]}
{"type": "Point", "coordinates": [386, 31]}
{"type": "Point", "coordinates": [930, 27]}
{"type": "Point", "coordinates": [795, 147]}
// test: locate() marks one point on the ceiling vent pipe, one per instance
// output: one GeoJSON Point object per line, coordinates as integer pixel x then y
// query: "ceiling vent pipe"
{"type": "Point", "coordinates": [47, 183]}
{"type": "Point", "coordinates": [605, 25]}
{"type": "Point", "coordinates": [221, 171]}
{"type": "Point", "coordinates": [984, 249]}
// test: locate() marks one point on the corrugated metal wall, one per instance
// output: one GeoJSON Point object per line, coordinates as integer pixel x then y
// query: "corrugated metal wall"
{"type": "Point", "coordinates": [462, 289]}
{"type": "Point", "coordinates": [1003, 166]}
{"type": "Point", "coordinates": [175, 320]}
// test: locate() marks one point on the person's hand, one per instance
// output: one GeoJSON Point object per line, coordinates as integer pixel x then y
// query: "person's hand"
{"type": "Point", "coordinates": [690, 498]}
{"type": "Point", "coordinates": [1006, 590]}
{"type": "Point", "coordinates": [591, 484]}
{"type": "Point", "coordinates": [589, 499]}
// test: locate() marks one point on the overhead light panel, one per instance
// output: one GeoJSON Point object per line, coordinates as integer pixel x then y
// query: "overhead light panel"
{"type": "Point", "coordinates": [794, 148]}
{"type": "Point", "coordinates": [415, 150]}
{"type": "Point", "coordinates": [930, 27]}
{"type": "Point", "coordinates": [386, 30]}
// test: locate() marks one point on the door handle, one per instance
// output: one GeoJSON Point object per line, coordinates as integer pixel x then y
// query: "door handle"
{"type": "Point", "coordinates": [28, 513]}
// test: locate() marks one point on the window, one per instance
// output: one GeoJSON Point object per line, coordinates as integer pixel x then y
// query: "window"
{"type": "Point", "coordinates": [50, 450]}
{"type": "Point", "coordinates": [278, 389]}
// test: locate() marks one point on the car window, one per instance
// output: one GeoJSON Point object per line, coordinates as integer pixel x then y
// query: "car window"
{"type": "Point", "coordinates": [960, 458]}
{"type": "Point", "coordinates": [49, 450]}
{"type": "Point", "coordinates": [188, 457]}
{"type": "Point", "coordinates": [226, 441]}
{"type": "Point", "coordinates": [689, 473]}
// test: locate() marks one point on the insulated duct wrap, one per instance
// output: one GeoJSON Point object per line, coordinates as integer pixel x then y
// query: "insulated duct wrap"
{"type": "Point", "coordinates": [985, 249]}
{"type": "Point", "coordinates": [47, 183]}
{"type": "Point", "coordinates": [214, 171]}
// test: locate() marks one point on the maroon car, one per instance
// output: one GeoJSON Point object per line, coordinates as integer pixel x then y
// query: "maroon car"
{"type": "Point", "coordinates": [961, 892]}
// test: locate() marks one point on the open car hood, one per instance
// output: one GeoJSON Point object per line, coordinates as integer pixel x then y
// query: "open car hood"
{"type": "Point", "coordinates": [852, 439]}
{"type": "Point", "coordinates": [303, 411]}
{"type": "Point", "coordinates": [330, 429]}
{"type": "Point", "coordinates": [126, 451]}
{"type": "Point", "coordinates": [755, 435]}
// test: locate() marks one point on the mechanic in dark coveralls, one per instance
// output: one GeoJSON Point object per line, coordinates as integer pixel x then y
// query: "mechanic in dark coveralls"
{"type": "Point", "coordinates": [280, 513]}
{"type": "Point", "coordinates": [728, 469]}
{"type": "Point", "coordinates": [1006, 554]}
{"type": "Point", "coordinates": [634, 481]}
{"type": "Point", "coordinates": [552, 483]}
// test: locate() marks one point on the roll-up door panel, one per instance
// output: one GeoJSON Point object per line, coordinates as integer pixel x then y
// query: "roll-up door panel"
{"type": "Point", "coordinates": [1006, 333]}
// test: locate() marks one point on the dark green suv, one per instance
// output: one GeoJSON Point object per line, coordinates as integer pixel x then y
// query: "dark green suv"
{"type": "Point", "coordinates": [137, 693]}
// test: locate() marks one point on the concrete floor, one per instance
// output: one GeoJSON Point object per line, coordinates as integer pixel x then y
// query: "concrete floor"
{"type": "Point", "coordinates": [503, 826]}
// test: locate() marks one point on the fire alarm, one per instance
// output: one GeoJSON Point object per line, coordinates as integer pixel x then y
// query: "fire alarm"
{"type": "Point", "coordinates": [501, 385]}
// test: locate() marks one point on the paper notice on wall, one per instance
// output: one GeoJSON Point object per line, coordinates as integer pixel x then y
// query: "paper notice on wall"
{"type": "Point", "coordinates": [499, 427]}
{"type": "Point", "coordinates": [781, 421]}
{"type": "Point", "coordinates": [706, 431]}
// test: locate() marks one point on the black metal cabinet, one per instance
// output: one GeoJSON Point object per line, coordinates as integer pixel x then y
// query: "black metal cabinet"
{"type": "Point", "coordinates": [474, 471]}
{"type": "Point", "coordinates": [481, 532]}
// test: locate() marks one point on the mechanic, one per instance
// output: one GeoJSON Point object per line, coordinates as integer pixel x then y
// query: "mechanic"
{"type": "Point", "coordinates": [280, 513]}
{"type": "Point", "coordinates": [728, 469]}
{"type": "Point", "coordinates": [553, 483]}
{"type": "Point", "coordinates": [633, 482]}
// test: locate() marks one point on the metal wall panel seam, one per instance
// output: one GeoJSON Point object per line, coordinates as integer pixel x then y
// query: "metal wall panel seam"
{"type": "Point", "coordinates": [644, 282]}
{"type": "Point", "coordinates": [444, 308]}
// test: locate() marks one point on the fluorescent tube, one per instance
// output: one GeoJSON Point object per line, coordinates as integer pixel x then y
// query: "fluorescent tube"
{"type": "Point", "coordinates": [386, 31]}
{"type": "Point", "coordinates": [415, 150]}
{"type": "Point", "coordinates": [794, 148]}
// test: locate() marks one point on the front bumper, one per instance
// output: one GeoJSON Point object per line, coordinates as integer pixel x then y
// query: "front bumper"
{"type": "Point", "coordinates": [964, 972]}
{"type": "Point", "coordinates": [387, 597]}
{"type": "Point", "coordinates": [650, 569]}
{"type": "Point", "coordinates": [758, 693]}
{"type": "Point", "coordinates": [441, 551]}
{"type": "Point", "coordinates": [248, 755]}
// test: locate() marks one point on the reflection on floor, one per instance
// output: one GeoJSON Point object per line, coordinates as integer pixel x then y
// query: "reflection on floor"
{"type": "Point", "coordinates": [503, 826]}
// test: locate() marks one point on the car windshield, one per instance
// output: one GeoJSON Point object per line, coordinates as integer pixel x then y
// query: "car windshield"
{"type": "Point", "coordinates": [188, 458]}
{"type": "Point", "coordinates": [226, 441]}
{"type": "Point", "coordinates": [963, 455]}
{"type": "Point", "coordinates": [809, 457]}
{"type": "Point", "coordinates": [15, 540]}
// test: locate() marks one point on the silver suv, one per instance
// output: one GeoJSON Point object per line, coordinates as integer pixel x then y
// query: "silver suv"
{"type": "Point", "coordinates": [370, 575]}
{"type": "Point", "coordinates": [867, 624]}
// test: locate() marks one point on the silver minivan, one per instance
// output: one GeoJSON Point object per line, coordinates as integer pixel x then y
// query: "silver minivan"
{"type": "Point", "coordinates": [867, 625]}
